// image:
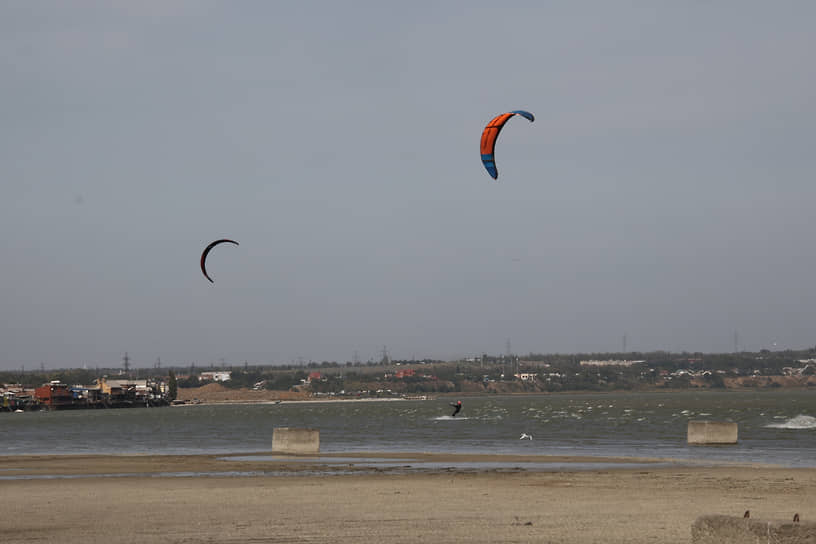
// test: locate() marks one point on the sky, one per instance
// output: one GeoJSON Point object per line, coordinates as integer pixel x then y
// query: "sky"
{"type": "Point", "coordinates": [665, 191]}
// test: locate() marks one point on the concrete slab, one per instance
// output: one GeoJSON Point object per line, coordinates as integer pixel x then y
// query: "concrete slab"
{"type": "Point", "coordinates": [712, 432]}
{"type": "Point", "coordinates": [296, 440]}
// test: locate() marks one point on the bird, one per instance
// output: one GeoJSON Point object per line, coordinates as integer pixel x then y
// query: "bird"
{"type": "Point", "coordinates": [747, 514]}
{"type": "Point", "coordinates": [796, 518]}
{"type": "Point", "coordinates": [525, 436]}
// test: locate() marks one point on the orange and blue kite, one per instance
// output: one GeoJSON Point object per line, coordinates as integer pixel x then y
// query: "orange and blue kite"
{"type": "Point", "coordinates": [489, 135]}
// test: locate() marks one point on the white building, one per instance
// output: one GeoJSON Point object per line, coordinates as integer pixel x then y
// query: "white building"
{"type": "Point", "coordinates": [526, 376]}
{"type": "Point", "coordinates": [610, 363]}
{"type": "Point", "coordinates": [215, 376]}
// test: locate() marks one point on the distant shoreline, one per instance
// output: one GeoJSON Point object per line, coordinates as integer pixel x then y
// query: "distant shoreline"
{"type": "Point", "coordinates": [225, 396]}
{"type": "Point", "coordinates": [291, 401]}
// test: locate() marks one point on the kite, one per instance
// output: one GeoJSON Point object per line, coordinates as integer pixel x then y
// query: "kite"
{"type": "Point", "coordinates": [207, 251]}
{"type": "Point", "coordinates": [489, 135]}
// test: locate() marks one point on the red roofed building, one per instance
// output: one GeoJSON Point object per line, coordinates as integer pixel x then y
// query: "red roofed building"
{"type": "Point", "coordinates": [54, 395]}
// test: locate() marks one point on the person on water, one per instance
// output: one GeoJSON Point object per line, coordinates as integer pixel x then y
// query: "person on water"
{"type": "Point", "coordinates": [457, 406]}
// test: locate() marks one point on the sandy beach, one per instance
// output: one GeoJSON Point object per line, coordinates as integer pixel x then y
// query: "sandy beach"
{"type": "Point", "coordinates": [204, 498]}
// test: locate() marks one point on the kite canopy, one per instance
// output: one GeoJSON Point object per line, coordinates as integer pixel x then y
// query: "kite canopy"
{"type": "Point", "coordinates": [489, 135]}
{"type": "Point", "coordinates": [207, 252]}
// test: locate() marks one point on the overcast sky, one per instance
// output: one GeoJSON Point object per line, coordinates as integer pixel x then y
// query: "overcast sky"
{"type": "Point", "coordinates": [665, 191]}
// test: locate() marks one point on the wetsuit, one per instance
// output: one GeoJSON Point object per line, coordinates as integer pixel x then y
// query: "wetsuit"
{"type": "Point", "coordinates": [456, 408]}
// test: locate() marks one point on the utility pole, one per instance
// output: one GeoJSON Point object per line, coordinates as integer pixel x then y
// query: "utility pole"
{"type": "Point", "coordinates": [384, 359]}
{"type": "Point", "coordinates": [126, 359]}
{"type": "Point", "coordinates": [624, 342]}
{"type": "Point", "coordinates": [736, 342]}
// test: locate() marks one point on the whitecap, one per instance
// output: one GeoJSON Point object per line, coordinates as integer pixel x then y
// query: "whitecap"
{"type": "Point", "coordinates": [799, 422]}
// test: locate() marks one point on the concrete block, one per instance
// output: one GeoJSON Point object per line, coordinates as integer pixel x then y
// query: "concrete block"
{"type": "Point", "coordinates": [739, 530]}
{"type": "Point", "coordinates": [294, 440]}
{"type": "Point", "coordinates": [712, 432]}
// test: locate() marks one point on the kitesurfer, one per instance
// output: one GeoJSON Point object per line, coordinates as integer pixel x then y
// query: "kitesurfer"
{"type": "Point", "coordinates": [457, 406]}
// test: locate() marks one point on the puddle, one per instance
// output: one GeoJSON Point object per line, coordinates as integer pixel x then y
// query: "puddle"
{"type": "Point", "coordinates": [375, 462]}
{"type": "Point", "coordinates": [225, 474]}
{"type": "Point", "coordinates": [338, 466]}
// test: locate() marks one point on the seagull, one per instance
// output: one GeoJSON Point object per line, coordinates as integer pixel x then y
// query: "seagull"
{"type": "Point", "coordinates": [796, 518]}
{"type": "Point", "coordinates": [747, 514]}
{"type": "Point", "coordinates": [525, 436]}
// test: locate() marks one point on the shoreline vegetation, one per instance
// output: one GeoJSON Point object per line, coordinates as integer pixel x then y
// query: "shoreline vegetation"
{"type": "Point", "coordinates": [296, 499]}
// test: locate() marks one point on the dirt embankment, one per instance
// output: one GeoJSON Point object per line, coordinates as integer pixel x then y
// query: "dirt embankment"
{"type": "Point", "coordinates": [215, 392]}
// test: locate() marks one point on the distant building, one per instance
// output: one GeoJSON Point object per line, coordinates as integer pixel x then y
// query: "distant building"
{"type": "Point", "coordinates": [54, 395]}
{"type": "Point", "coordinates": [118, 387]}
{"type": "Point", "coordinates": [610, 362]}
{"type": "Point", "coordinates": [808, 368]}
{"type": "Point", "coordinates": [533, 364]}
{"type": "Point", "coordinates": [215, 376]}
{"type": "Point", "coordinates": [526, 376]}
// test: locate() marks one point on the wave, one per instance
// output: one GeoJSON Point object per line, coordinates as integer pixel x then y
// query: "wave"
{"type": "Point", "coordinates": [449, 418]}
{"type": "Point", "coordinates": [797, 423]}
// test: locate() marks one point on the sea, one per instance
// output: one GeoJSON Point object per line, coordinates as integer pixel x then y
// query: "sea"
{"type": "Point", "coordinates": [775, 427]}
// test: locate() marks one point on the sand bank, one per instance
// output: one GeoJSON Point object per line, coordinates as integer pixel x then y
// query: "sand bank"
{"type": "Point", "coordinates": [170, 499]}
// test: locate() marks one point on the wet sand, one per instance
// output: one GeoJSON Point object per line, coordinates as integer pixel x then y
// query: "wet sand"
{"type": "Point", "coordinates": [203, 498]}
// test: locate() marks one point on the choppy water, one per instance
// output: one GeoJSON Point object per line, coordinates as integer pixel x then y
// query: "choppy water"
{"type": "Point", "coordinates": [774, 427]}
